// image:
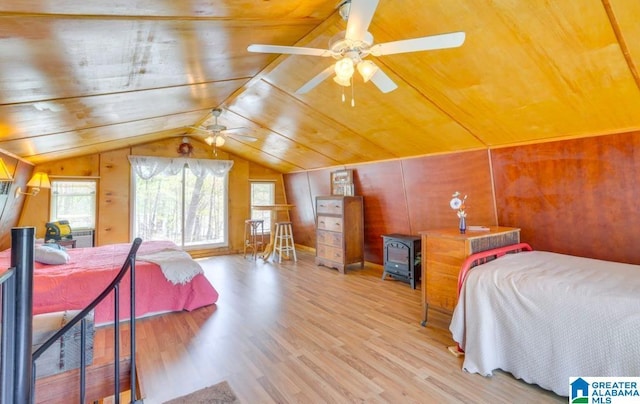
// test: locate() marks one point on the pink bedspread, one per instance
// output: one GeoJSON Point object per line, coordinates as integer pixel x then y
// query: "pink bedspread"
{"type": "Point", "coordinates": [75, 285]}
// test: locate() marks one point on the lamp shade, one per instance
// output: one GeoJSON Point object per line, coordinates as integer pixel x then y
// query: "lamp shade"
{"type": "Point", "coordinates": [367, 69]}
{"type": "Point", "coordinates": [220, 141]}
{"type": "Point", "coordinates": [39, 180]}
{"type": "Point", "coordinates": [5, 175]}
{"type": "Point", "coordinates": [344, 68]}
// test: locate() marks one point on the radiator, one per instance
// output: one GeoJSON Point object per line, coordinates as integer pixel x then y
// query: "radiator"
{"type": "Point", "coordinates": [84, 238]}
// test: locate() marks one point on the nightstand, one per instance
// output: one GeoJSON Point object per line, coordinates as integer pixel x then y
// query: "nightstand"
{"type": "Point", "coordinates": [444, 251]}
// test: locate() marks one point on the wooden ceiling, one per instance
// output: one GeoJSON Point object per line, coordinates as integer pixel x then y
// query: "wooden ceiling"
{"type": "Point", "coordinates": [79, 77]}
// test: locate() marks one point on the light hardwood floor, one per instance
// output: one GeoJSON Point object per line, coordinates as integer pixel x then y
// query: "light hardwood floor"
{"type": "Point", "coordinates": [299, 333]}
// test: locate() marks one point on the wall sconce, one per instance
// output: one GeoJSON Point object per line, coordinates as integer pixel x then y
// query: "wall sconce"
{"type": "Point", "coordinates": [38, 181]}
{"type": "Point", "coordinates": [5, 175]}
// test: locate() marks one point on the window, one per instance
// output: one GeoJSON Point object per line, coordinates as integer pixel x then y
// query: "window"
{"type": "Point", "coordinates": [75, 201]}
{"type": "Point", "coordinates": [181, 200]}
{"type": "Point", "coordinates": [263, 193]}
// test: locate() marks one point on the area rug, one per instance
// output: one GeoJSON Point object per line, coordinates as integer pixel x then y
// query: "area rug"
{"type": "Point", "coordinates": [220, 393]}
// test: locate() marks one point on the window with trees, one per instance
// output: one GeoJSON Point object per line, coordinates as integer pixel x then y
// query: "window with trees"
{"type": "Point", "coordinates": [182, 200]}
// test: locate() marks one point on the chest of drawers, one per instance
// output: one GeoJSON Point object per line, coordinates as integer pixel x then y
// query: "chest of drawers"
{"type": "Point", "coordinates": [339, 231]}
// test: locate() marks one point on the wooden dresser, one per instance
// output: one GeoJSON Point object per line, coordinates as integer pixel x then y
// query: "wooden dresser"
{"type": "Point", "coordinates": [444, 251]}
{"type": "Point", "coordinates": [339, 231]}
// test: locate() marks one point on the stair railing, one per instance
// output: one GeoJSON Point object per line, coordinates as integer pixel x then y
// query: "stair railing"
{"type": "Point", "coordinates": [17, 313]}
{"type": "Point", "coordinates": [114, 286]}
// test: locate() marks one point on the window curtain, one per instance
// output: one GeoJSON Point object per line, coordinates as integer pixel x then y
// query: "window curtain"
{"type": "Point", "coordinates": [147, 167]}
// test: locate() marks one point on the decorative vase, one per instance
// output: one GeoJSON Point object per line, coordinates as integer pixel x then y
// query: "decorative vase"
{"type": "Point", "coordinates": [463, 224]}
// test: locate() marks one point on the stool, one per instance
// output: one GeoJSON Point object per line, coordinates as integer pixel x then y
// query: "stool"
{"type": "Point", "coordinates": [283, 243]}
{"type": "Point", "coordinates": [253, 236]}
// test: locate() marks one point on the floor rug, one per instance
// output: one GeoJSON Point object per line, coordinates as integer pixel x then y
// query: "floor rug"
{"type": "Point", "coordinates": [220, 393]}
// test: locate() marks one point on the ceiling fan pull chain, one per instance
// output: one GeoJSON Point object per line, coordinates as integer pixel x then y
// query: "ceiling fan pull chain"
{"type": "Point", "coordinates": [343, 97]}
{"type": "Point", "coordinates": [353, 90]}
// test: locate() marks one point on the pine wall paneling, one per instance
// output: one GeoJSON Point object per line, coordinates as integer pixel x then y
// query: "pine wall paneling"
{"type": "Point", "coordinates": [36, 209]}
{"type": "Point", "coordinates": [10, 206]}
{"type": "Point", "coordinates": [114, 193]}
{"type": "Point", "coordinates": [118, 178]}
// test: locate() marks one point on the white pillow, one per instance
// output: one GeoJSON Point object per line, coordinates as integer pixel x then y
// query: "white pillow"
{"type": "Point", "coordinates": [48, 255]}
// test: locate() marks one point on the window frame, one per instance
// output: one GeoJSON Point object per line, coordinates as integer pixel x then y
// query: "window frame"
{"type": "Point", "coordinates": [53, 200]}
{"type": "Point", "coordinates": [265, 215]}
{"type": "Point", "coordinates": [187, 247]}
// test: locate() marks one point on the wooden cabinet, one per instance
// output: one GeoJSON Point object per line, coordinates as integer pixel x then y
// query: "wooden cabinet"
{"type": "Point", "coordinates": [339, 231]}
{"type": "Point", "coordinates": [443, 252]}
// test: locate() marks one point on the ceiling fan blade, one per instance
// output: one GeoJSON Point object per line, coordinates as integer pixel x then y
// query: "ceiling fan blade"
{"type": "Point", "coordinates": [319, 78]}
{"type": "Point", "coordinates": [441, 41]}
{"type": "Point", "coordinates": [360, 15]}
{"type": "Point", "coordinates": [243, 137]}
{"type": "Point", "coordinates": [196, 128]}
{"type": "Point", "coordinates": [383, 82]}
{"type": "Point", "coordinates": [232, 129]}
{"type": "Point", "coordinates": [291, 50]}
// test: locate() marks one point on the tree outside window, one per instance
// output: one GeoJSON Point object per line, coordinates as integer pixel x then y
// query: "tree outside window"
{"type": "Point", "coordinates": [181, 200]}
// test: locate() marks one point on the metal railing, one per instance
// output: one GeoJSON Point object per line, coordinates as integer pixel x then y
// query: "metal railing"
{"type": "Point", "coordinates": [18, 369]}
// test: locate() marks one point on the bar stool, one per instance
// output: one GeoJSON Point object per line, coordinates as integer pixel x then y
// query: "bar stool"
{"type": "Point", "coordinates": [253, 236]}
{"type": "Point", "coordinates": [283, 243]}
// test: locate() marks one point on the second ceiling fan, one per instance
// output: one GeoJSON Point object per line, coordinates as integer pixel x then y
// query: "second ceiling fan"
{"type": "Point", "coordinates": [351, 47]}
{"type": "Point", "coordinates": [218, 133]}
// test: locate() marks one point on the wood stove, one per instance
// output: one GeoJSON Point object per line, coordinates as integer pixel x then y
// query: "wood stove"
{"type": "Point", "coordinates": [401, 255]}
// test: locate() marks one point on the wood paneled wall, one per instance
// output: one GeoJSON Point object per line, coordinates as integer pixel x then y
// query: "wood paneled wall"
{"type": "Point", "coordinates": [10, 206]}
{"type": "Point", "coordinates": [402, 196]}
{"type": "Point", "coordinates": [574, 196]}
{"type": "Point", "coordinates": [113, 170]}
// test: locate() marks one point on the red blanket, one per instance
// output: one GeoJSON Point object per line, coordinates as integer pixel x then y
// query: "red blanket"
{"type": "Point", "coordinates": [76, 284]}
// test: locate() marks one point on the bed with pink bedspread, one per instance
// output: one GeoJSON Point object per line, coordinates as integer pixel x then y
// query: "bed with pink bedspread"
{"type": "Point", "coordinates": [90, 270]}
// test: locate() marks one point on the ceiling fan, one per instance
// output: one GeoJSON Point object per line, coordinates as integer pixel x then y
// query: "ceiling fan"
{"type": "Point", "coordinates": [218, 133]}
{"type": "Point", "coordinates": [351, 47]}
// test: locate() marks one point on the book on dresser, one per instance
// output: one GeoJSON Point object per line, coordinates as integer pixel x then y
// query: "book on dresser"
{"type": "Point", "coordinates": [339, 231]}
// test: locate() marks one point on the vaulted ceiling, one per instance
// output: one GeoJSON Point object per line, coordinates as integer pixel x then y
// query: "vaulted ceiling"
{"type": "Point", "coordinates": [79, 77]}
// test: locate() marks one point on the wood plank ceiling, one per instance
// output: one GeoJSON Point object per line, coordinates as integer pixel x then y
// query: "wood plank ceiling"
{"type": "Point", "coordinates": [80, 77]}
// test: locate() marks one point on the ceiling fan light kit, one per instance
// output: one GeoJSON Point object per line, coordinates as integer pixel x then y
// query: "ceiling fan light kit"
{"type": "Point", "coordinates": [367, 69]}
{"type": "Point", "coordinates": [352, 46]}
{"type": "Point", "coordinates": [218, 133]}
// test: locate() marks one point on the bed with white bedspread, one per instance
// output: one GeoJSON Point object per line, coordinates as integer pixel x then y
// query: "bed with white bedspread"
{"type": "Point", "coordinates": [545, 317]}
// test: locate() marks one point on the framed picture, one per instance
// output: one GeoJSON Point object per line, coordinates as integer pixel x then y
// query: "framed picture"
{"type": "Point", "coordinates": [342, 183]}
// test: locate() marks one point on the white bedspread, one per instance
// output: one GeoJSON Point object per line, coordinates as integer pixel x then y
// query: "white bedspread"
{"type": "Point", "coordinates": [176, 265]}
{"type": "Point", "coordinates": [545, 317]}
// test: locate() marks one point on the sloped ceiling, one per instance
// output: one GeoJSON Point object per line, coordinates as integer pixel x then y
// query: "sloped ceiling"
{"type": "Point", "coordinates": [81, 77]}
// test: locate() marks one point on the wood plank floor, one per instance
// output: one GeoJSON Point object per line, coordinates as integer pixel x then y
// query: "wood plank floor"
{"type": "Point", "coordinates": [299, 333]}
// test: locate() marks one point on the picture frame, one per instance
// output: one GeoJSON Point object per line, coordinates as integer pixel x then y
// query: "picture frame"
{"type": "Point", "coordinates": [342, 183]}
